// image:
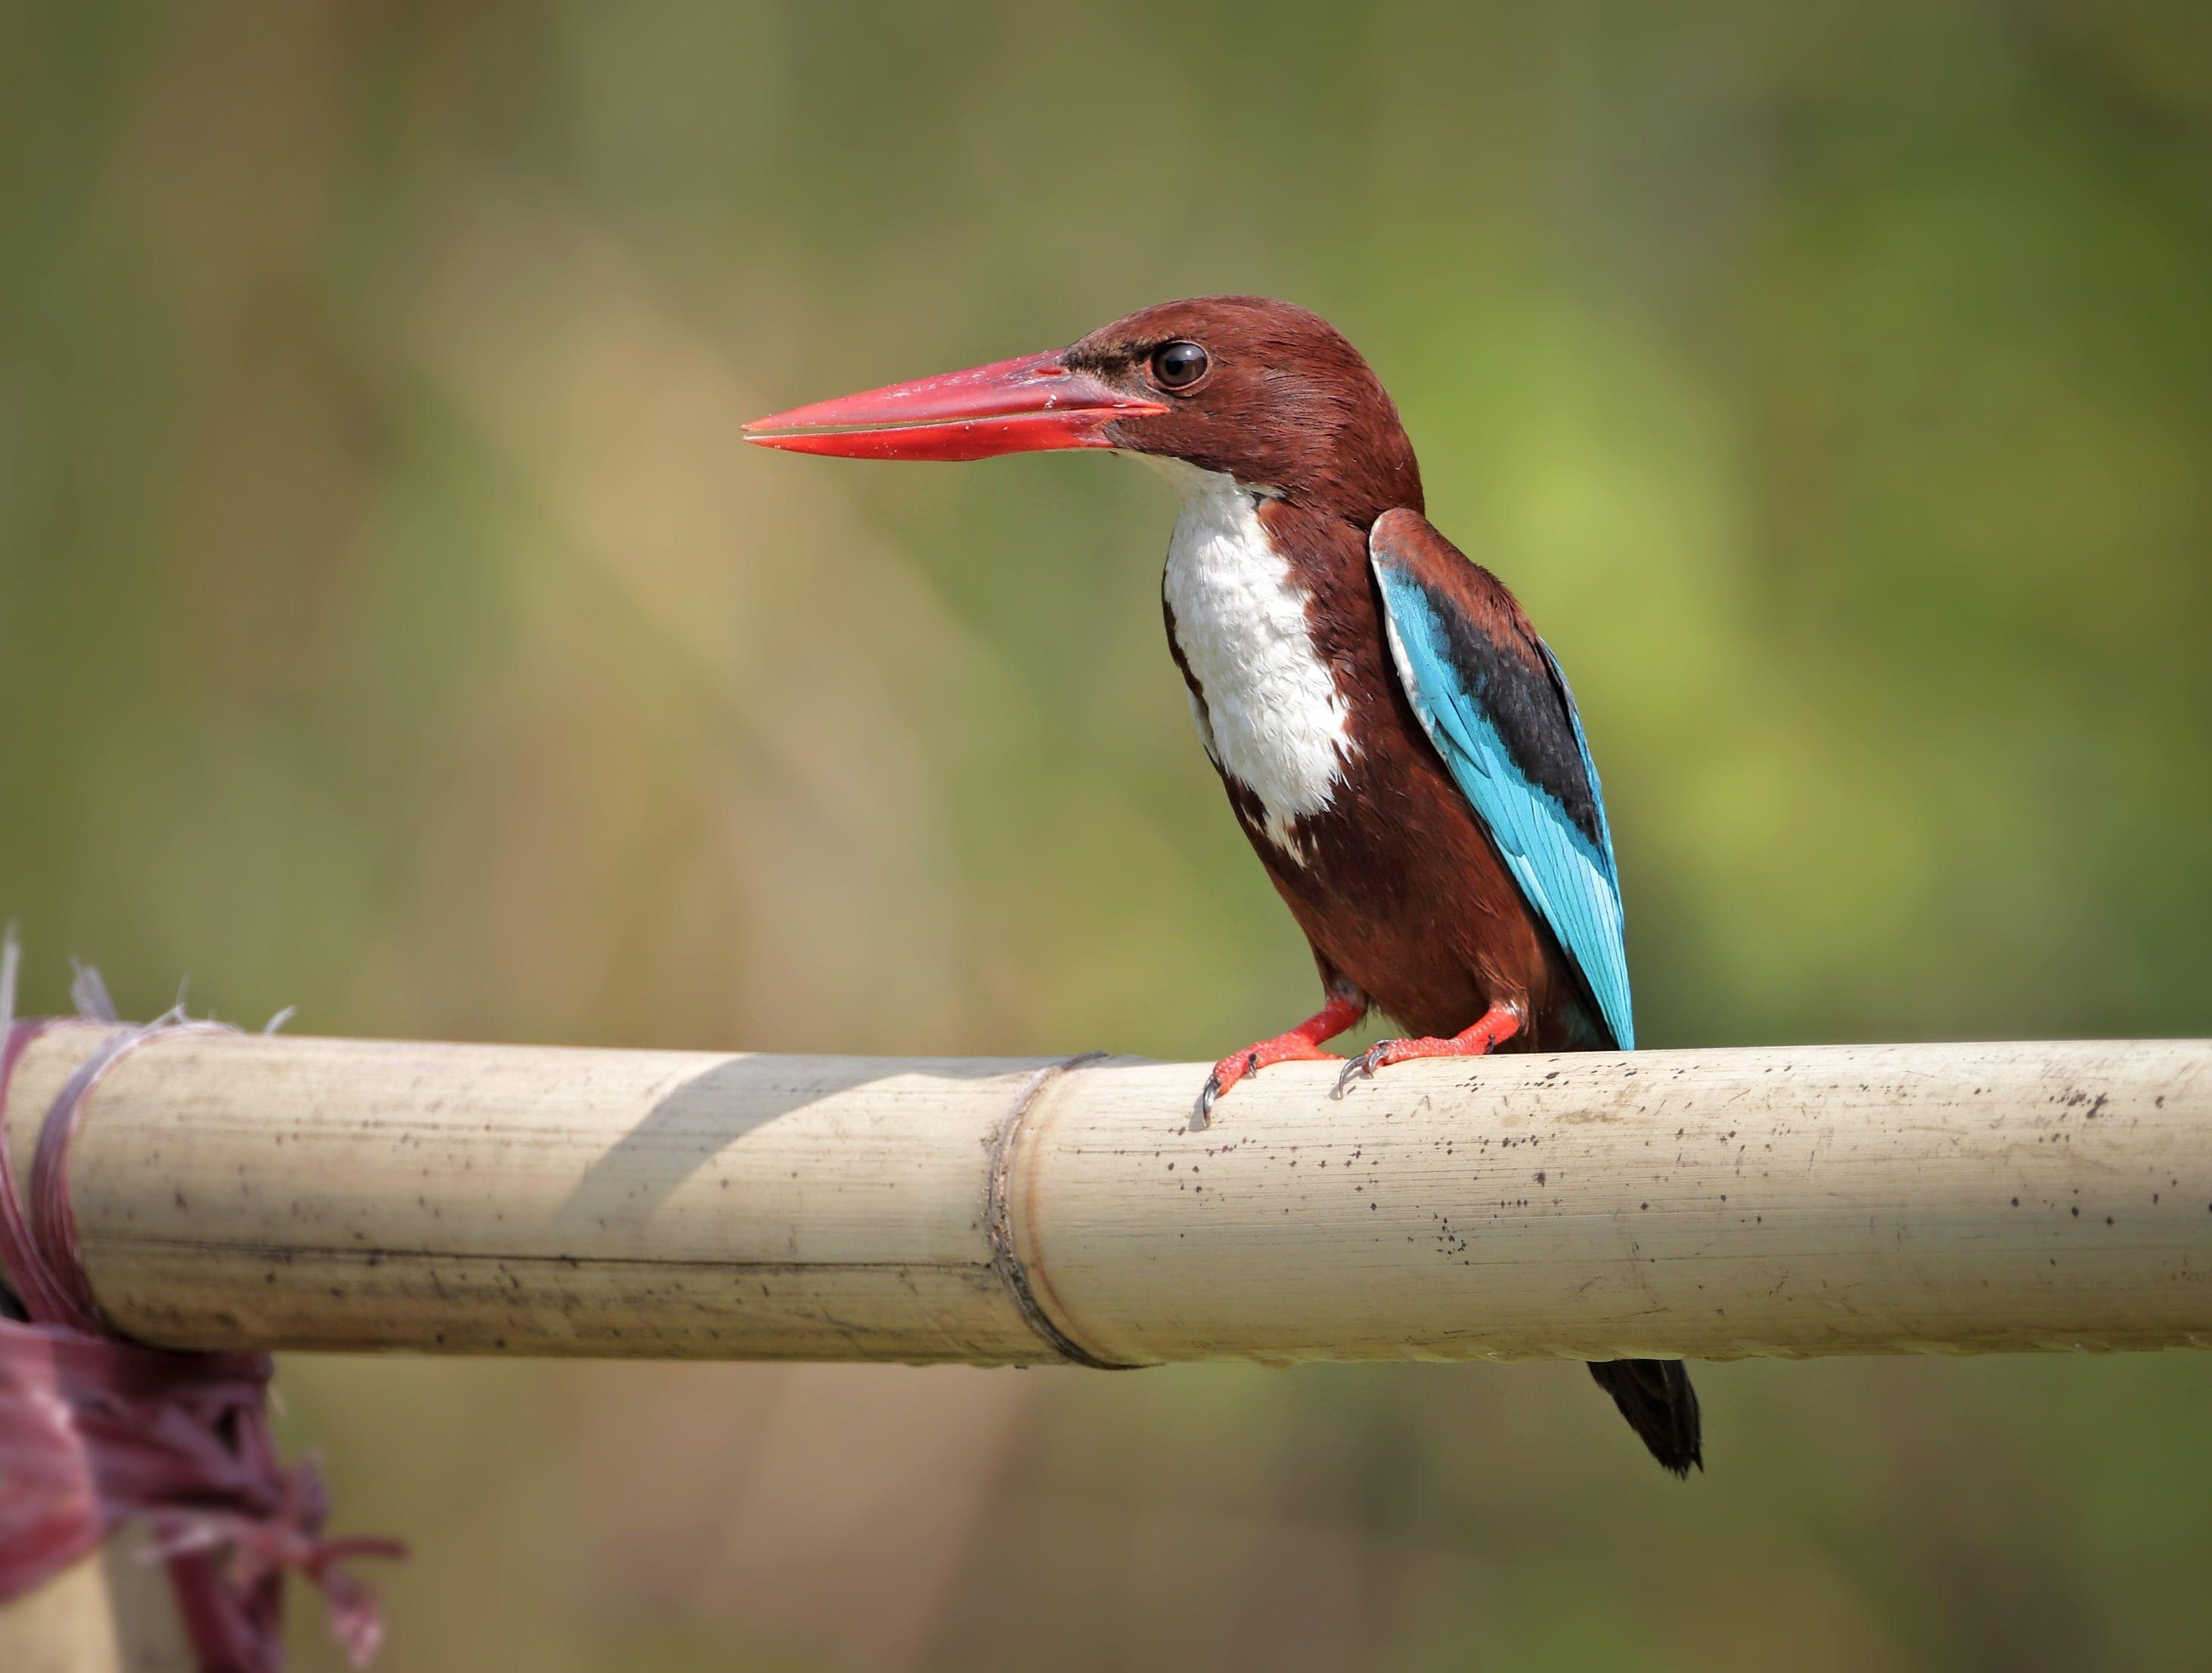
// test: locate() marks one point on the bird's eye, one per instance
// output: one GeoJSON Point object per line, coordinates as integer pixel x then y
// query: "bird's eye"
{"type": "Point", "coordinates": [1178, 365]}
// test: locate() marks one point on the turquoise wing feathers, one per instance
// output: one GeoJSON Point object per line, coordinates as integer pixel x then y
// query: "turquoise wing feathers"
{"type": "Point", "coordinates": [1493, 701]}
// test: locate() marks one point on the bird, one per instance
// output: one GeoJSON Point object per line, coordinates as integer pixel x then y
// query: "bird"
{"type": "Point", "coordinates": [1399, 745]}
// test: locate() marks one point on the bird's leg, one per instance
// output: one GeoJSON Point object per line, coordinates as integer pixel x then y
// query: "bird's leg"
{"type": "Point", "coordinates": [1345, 1008]}
{"type": "Point", "coordinates": [1499, 1024]}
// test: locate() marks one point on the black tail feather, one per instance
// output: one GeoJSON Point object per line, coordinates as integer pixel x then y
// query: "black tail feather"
{"type": "Point", "coordinates": [1656, 1396]}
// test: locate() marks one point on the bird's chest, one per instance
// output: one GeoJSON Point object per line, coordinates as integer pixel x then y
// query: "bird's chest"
{"type": "Point", "coordinates": [1267, 707]}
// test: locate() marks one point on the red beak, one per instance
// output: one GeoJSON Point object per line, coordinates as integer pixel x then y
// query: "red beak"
{"type": "Point", "coordinates": [1013, 407]}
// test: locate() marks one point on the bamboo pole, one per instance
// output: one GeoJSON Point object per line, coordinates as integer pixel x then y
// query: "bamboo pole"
{"type": "Point", "coordinates": [294, 1193]}
{"type": "Point", "coordinates": [112, 1613]}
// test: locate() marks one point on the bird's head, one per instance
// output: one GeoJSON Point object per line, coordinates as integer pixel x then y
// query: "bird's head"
{"type": "Point", "coordinates": [1257, 390]}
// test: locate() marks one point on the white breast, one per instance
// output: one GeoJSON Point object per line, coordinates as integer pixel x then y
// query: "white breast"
{"type": "Point", "coordinates": [1267, 707]}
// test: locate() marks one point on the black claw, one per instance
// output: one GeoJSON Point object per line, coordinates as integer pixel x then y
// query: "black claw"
{"type": "Point", "coordinates": [1211, 1095]}
{"type": "Point", "coordinates": [1363, 1065]}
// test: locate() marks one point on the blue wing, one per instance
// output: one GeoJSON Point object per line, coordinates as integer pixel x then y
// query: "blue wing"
{"type": "Point", "coordinates": [1493, 700]}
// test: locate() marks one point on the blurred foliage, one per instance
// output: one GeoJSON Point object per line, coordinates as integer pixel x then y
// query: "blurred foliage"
{"type": "Point", "coordinates": [392, 623]}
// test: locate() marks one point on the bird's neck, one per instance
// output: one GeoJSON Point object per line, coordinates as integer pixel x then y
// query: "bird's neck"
{"type": "Point", "coordinates": [1350, 484]}
{"type": "Point", "coordinates": [1199, 488]}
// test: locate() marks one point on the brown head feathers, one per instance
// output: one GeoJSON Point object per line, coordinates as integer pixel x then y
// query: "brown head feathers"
{"type": "Point", "coordinates": [1279, 401]}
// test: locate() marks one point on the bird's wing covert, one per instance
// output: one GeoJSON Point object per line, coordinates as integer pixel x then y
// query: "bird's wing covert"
{"type": "Point", "coordinates": [1493, 700]}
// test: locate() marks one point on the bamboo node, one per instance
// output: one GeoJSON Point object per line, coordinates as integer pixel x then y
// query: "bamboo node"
{"type": "Point", "coordinates": [998, 1227]}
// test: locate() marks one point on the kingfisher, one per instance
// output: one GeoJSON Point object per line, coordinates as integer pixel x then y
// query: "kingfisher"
{"type": "Point", "coordinates": [1399, 745]}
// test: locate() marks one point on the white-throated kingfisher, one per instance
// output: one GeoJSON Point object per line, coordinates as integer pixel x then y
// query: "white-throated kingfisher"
{"type": "Point", "coordinates": [1400, 747]}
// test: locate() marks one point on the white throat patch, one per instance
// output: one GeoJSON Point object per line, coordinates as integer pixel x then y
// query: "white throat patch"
{"type": "Point", "coordinates": [1268, 711]}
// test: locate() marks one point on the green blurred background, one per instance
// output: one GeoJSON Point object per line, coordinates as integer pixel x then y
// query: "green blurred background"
{"type": "Point", "coordinates": [392, 625]}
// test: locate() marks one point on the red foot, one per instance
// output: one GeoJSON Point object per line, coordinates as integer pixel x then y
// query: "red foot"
{"type": "Point", "coordinates": [1301, 1045]}
{"type": "Point", "coordinates": [1498, 1025]}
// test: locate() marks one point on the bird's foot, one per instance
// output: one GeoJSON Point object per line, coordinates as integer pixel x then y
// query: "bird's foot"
{"type": "Point", "coordinates": [1346, 1007]}
{"type": "Point", "coordinates": [1498, 1024]}
{"type": "Point", "coordinates": [1291, 1048]}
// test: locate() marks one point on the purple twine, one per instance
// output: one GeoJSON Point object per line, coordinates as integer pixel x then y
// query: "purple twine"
{"type": "Point", "coordinates": [95, 1429]}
